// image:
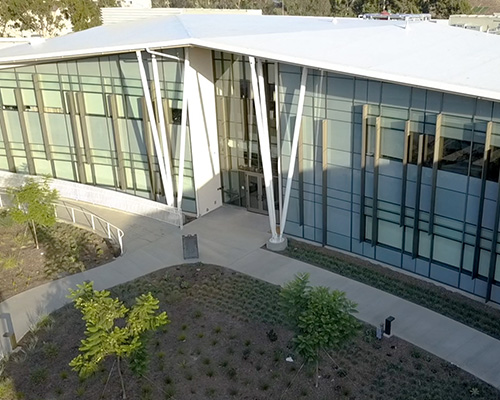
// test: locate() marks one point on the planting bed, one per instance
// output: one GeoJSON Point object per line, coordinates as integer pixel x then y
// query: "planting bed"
{"type": "Point", "coordinates": [64, 249]}
{"type": "Point", "coordinates": [218, 347]}
{"type": "Point", "coordinates": [454, 305]}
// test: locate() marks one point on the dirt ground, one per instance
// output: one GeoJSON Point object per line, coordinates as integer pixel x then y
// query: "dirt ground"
{"type": "Point", "coordinates": [64, 249]}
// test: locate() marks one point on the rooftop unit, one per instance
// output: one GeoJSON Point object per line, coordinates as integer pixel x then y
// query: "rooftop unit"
{"type": "Point", "coordinates": [384, 15]}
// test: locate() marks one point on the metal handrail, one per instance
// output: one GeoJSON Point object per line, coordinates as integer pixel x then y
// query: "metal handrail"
{"type": "Point", "coordinates": [97, 224]}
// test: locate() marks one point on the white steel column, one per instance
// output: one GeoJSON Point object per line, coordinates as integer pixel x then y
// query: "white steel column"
{"type": "Point", "coordinates": [182, 154]}
{"type": "Point", "coordinates": [277, 106]}
{"type": "Point", "coordinates": [293, 155]}
{"type": "Point", "coordinates": [152, 121]}
{"type": "Point", "coordinates": [169, 191]}
{"type": "Point", "coordinates": [265, 150]}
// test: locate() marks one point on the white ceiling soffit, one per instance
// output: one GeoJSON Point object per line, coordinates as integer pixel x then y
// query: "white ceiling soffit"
{"type": "Point", "coordinates": [423, 54]}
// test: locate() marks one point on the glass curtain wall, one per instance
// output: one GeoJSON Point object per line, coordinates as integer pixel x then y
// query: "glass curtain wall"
{"type": "Point", "coordinates": [237, 126]}
{"type": "Point", "coordinates": [85, 120]}
{"type": "Point", "coordinates": [403, 175]}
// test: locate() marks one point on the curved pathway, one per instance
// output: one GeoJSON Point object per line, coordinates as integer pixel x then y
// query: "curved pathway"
{"type": "Point", "coordinates": [233, 237]}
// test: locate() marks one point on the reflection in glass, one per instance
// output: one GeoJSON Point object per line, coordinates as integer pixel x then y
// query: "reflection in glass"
{"type": "Point", "coordinates": [428, 156]}
{"type": "Point", "coordinates": [494, 164]}
{"type": "Point", "coordinates": [455, 156]}
{"type": "Point", "coordinates": [413, 148]}
{"type": "Point", "coordinates": [477, 156]}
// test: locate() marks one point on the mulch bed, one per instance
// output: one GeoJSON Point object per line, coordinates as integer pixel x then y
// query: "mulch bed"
{"type": "Point", "coordinates": [64, 249]}
{"type": "Point", "coordinates": [218, 347]}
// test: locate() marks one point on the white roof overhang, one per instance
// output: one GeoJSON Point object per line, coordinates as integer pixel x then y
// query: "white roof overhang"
{"type": "Point", "coordinates": [421, 54]}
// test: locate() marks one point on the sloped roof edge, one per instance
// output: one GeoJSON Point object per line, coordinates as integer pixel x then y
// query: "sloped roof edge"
{"type": "Point", "coordinates": [425, 55]}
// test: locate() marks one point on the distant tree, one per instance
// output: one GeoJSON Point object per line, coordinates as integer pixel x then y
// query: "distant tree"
{"type": "Point", "coordinates": [38, 16]}
{"type": "Point", "coordinates": [437, 8]}
{"type": "Point", "coordinates": [5, 16]}
{"type": "Point", "coordinates": [104, 337]}
{"type": "Point", "coordinates": [85, 14]}
{"type": "Point", "coordinates": [267, 6]}
{"type": "Point", "coordinates": [308, 7]}
{"type": "Point", "coordinates": [445, 8]}
{"type": "Point", "coordinates": [33, 204]}
{"type": "Point", "coordinates": [160, 3]}
{"type": "Point", "coordinates": [343, 8]}
{"type": "Point", "coordinates": [322, 318]}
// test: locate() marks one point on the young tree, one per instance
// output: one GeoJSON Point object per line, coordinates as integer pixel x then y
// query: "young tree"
{"type": "Point", "coordinates": [321, 318]}
{"type": "Point", "coordinates": [105, 338]}
{"type": "Point", "coordinates": [33, 204]}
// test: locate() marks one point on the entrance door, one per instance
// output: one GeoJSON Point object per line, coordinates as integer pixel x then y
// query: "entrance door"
{"type": "Point", "coordinates": [256, 193]}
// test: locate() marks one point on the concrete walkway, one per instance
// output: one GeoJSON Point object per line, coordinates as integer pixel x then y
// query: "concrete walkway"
{"type": "Point", "coordinates": [233, 237]}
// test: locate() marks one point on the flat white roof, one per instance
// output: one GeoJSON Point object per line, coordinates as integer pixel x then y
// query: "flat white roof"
{"type": "Point", "coordinates": [421, 54]}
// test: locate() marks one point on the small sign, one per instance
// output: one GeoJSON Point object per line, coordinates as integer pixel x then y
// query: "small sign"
{"type": "Point", "coordinates": [190, 246]}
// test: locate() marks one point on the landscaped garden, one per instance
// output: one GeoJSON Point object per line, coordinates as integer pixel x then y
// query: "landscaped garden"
{"type": "Point", "coordinates": [226, 340]}
{"type": "Point", "coordinates": [64, 249]}
{"type": "Point", "coordinates": [454, 305]}
{"type": "Point", "coordinates": [35, 249]}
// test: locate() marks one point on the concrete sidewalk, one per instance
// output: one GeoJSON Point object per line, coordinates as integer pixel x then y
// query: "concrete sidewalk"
{"type": "Point", "coordinates": [233, 237]}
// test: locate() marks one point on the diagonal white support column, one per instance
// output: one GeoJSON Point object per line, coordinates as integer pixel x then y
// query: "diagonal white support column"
{"type": "Point", "coordinates": [277, 106]}
{"type": "Point", "coordinates": [295, 143]}
{"type": "Point", "coordinates": [152, 121]}
{"type": "Point", "coordinates": [169, 190]}
{"type": "Point", "coordinates": [263, 131]}
{"type": "Point", "coordinates": [265, 152]}
{"type": "Point", "coordinates": [182, 155]}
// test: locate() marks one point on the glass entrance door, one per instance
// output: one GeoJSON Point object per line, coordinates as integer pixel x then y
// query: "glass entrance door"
{"type": "Point", "coordinates": [256, 193]}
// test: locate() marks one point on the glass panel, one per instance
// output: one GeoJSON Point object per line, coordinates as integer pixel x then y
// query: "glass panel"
{"type": "Point", "coordinates": [64, 170]}
{"type": "Point", "coordinates": [56, 125]}
{"type": "Point", "coordinates": [368, 228]}
{"type": "Point", "coordinates": [446, 251]}
{"type": "Point", "coordinates": [477, 160]}
{"type": "Point", "coordinates": [390, 234]}
{"type": "Point", "coordinates": [370, 136]}
{"type": "Point", "coordinates": [392, 146]}
{"type": "Point", "coordinates": [424, 244]}
{"type": "Point", "coordinates": [413, 148]}
{"type": "Point", "coordinates": [94, 104]}
{"type": "Point", "coordinates": [263, 194]}
{"type": "Point", "coordinates": [8, 97]}
{"type": "Point", "coordinates": [428, 156]}
{"type": "Point", "coordinates": [104, 175]}
{"type": "Point", "coordinates": [468, 260]}
{"type": "Point", "coordinates": [455, 156]}
{"type": "Point", "coordinates": [52, 100]}
{"type": "Point", "coordinates": [484, 263]}
{"type": "Point", "coordinates": [494, 164]}
{"type": "Point", "coordinates": [13, 126]}
{"type": "Point", "coordinates": [497, 269]}
{"type": "Point", "coordinates": [253, 192]}
{"type": "Point", "coordinates": [408, 240]}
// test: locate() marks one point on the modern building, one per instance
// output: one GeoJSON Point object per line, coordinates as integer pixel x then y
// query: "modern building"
{"type": "Point", "coordinates": [392, 127]}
